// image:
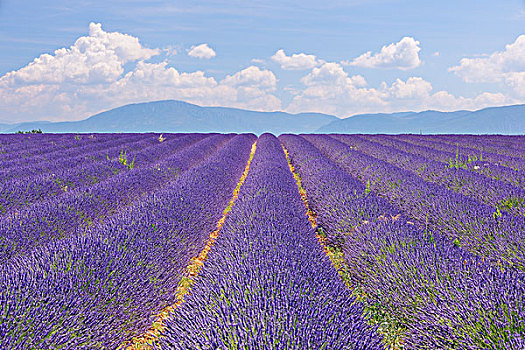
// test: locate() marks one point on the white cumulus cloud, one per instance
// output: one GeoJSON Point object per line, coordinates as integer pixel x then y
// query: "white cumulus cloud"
{"type": "Point", "coordinates": [254, 85]}
{"type": "Point", "coordinates": [103, 70]}
{"type": "Point", "coordinates": [252, 76]}
{"type": "Point", "coordinates": [329, 89]}
{"type": "Point", "coordinates": [296, 61]}
{"type": "Point", "coordinates": [89, 76]}
{"type": "Point", "coordinates": [98, 57]}
{"type": "Point", "coordinates": [332, 73]}
{"type": "Point", "coordinates": [516, 80]}
{"type": "Point", "coordinates": [507, 66]}
{"type": "Point", "coordinates": [412, 88]}
{"type": "Point", "coordinates": [401, 55]}
{"type": "Point", "coordinates": [201, 51]}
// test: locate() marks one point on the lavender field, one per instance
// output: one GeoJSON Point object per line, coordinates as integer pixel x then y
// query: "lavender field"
{"type": "Point", "coordinates": [226, 241]}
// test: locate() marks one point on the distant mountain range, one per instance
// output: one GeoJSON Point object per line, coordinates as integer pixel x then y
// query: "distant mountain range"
{"type": "Point", "coordinates": [493, 120]}
{"type": "Point", "coordinates": [178, 116]}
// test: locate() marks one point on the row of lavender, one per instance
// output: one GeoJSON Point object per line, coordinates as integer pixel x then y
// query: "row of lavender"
{"type": "Point", "coordinates": [433, 268]}
{"type": "Point", "coordinates": [458, 160]}
{"type": "Point", "coordinates": [267, 283]}
{"type": "Point", "coordinates": [70, 149]}
{"type": "Point", "coordinates": [87, 168]}
{"type": "Point", "coordinates": [98, 287]}
{"type": "Point", "coordinates": [469, 223]}
{"type": "Point", "coordinates": [494, 147]}
{"type": "Point", "coordinates": [76, 210]}
{"type": "Point", "coordinates": [502, 163]}
{"type": "Point", "coordinates": [499, 194]}
{"type": "Point", "coordinates": [14, 147]}
{"type": "Point", "coordinates": [487, 183]}
{"type": "Point", "coordinates": [422, 288]}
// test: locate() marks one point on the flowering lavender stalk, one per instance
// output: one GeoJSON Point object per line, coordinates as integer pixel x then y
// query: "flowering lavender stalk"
{"type": "Point", "coordinates": [423, 290]}
{"type": "Point", "coordinates": [474, 163]}
{"type": "Point", "coordinates": [474, 226]}
{"type": "Point", "coordinates": [267, 283]}
{"type": "Point", "coordinates": [500, 195]}
{"type": "Point", "coordinates": [73, 212]}
{"type": "Point", "coordinates": [98, 289]}
{"type": "Point", "coordinates": [76, 153]}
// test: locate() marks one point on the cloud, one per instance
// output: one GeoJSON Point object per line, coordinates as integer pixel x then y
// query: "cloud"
{"type": "Point", "coordinates": [332, 73]}
{"type": "Point", "coordinates": [412, 88]}
{"type": "Point", "coordinates": [401, 55]}
{"type": "Point", "coordinates": [507, 67]}
{"type": "Point", "coordinates": [516, 80]}
{"type": "Point", "coordinates": [170, 51]}
{"type": "Point", "coordinates": [253, 85]}
{"type": "Point", "coordinates": [329, 89]}
{"type": "Point", "coordinates": [249, 88]}
{"type": "Point", "coordinates": [88, 77]}
{"type": "Point", "coordinates": [96, 58]}
{"type": "Point", "coordinates": [252, 76]}
{"type": "Point", "coordinates": [104, 70]}
{"type": "Point", "coordinates": [201, 51]}
{"type": "Point", "coordinates": [299, 61]}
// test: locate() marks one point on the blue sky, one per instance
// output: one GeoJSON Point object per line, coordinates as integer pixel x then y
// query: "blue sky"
{"type": "Point", "coordinates": [339, 57]}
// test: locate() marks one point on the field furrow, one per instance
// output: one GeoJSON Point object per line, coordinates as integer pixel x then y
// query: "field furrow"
{"type": "Point", "coordinates": [225, 241]}
{"type": "Point", "coordinates": [471, 225]}
{"type": "Point", "coordinates": [73, 213]}
{"type": "Point", "coordinates": [99, 289]}
{"type": "Point", "coordinates": [410, 279]}
{"type": "Point", "coordinates": [93, 169]}
{"type": "Point", "coordinates": [501, 196]}
{"type": "Point", "coordinates": [191, 272]}
{"type": "Point", "coordinates": [267, 282]}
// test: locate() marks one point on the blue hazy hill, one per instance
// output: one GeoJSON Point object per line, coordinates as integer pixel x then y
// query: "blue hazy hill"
{"type": "Point", "coordinates": [493, 120]}
{"type": "Point", "coordinates": [8, 128]}
{"type": "Point", "coordinates": [178, 116]}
